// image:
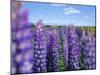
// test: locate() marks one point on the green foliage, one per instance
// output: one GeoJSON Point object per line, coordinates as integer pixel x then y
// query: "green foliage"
{"type": "Point", "coordinates": [91, 28]}
{"type": "Point", "coordinates": [61, 63]}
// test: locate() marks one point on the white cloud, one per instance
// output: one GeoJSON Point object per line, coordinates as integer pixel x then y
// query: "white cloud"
{"type": "Point", "coordinates": [58, 5]}
{"type": "Point", "coordinates": [40, 15]}
{"type": "Point", "coordinates": [71, 10]}
{"type": "Point", "coordinates": [87, 16]}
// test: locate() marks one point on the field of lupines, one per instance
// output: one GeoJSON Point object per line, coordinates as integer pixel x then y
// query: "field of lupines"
{"type": "Point", "coordinates": [40, 48]}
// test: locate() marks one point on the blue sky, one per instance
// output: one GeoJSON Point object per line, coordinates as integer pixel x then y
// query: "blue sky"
{"type": "Point", "coordinates": [61, 14]}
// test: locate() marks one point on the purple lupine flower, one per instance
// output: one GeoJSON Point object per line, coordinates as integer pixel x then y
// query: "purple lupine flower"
{"type": "Point", "coordinates": [88, 45]}
{"type": "Point", "coordinates": [49, 51]}
{"type": "Point", "coordinates": [26, 67]}
{"type": "Point", "coordinates": [15, 13]}
{"type": "Point", "coordinates": [15, 21]}
{"type": "Point", "coordinates": [79, 31]}
{"type": "Point", "coordinates": [14, 47]}
{"type": "Point", "coordinates": [74, 51]}
{"type": "Point", "coordinates": [24, 19]}
{"type": "Point", "coordinates": [53, 51]}
{"type": "Point", "coordinates": [93, 49]}
{"type": "Point", "coordinates": [13, 55]}
{"type": "Point", "coordinates": [13, 69]}
{"type": "Point", "coordinates": [23, 37]}
{"type": "Point", "coordinates": [25, 47]}
{"type": "Point", "coordinates": [39, 63]}
{"type": "Point", "coordinates": [64, 39]}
